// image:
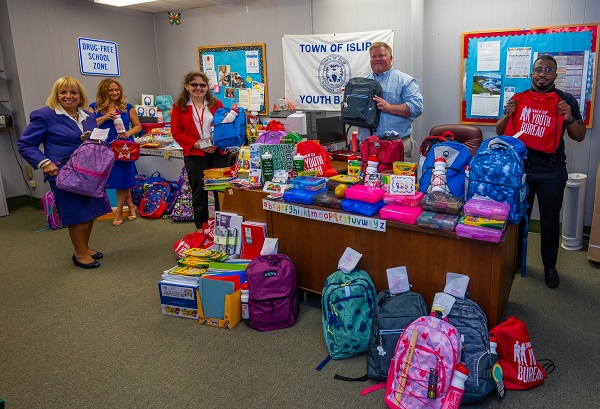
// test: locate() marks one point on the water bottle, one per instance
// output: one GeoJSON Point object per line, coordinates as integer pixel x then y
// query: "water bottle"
{"type": "Point", "coordinates": [230, 117]}
{"type": "Point", "coordinates": [371, 175]}
{"type": "Point", "coordinates": [457, 387]}
{"type": "Point", "coordinates": [159, 115]}
{"type": "Point", "coordinates": [245, 297]}
{"type": "Point", "coordinates": [298, 164]}
{"type": "Point", "coordinates": [372, 165]}
{"type": "Point", "coordinates": [438, 176]}
{"type": "Point", "coordinates": [119, 125]}
{"type": "Point", "coordinates": [267, 167]}
{"type": "Point", "coordinates": [467, 168]}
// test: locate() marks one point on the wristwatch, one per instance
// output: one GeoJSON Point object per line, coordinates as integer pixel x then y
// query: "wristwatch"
{"type": "Point", "coordinates": [567, 123]}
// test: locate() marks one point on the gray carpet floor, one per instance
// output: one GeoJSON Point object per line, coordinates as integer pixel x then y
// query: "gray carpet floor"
{"type": "Point", "coordinates": [72, 338]}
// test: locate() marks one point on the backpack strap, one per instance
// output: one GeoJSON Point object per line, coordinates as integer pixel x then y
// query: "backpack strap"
{"type": "Point", "coordinates": [370, 389]}
{"type": "Point", "coordinates": [345, 378]}
{"type": "Point", "coordinates": [325, 362]}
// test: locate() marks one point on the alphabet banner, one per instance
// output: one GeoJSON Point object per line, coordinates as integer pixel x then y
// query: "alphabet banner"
{"type": "Point", "coordinates": [317, 67]}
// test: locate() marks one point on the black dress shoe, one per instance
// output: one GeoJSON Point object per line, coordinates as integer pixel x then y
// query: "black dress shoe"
{"type": "Point", "coordinates": [551, 277]}
{"type": "Point", "coordinates": [97, 255]}
{"type": "Point", "coordinates": [93, 264]}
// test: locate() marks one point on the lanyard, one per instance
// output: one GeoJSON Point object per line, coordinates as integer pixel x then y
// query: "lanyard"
{"type": "Point", "coordinates": [200, 118]}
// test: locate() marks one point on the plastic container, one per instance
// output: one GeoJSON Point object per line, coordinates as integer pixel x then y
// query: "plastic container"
{"type": "Point", "coordinates": [301, 196]}
{"type": "Point", "coordinates": [119, 125]}
{"type": "Point", "coordinates": [478, 233]}
{"type": "Point", "coordinates": [457, 387]}
{"type": "Point", "coordinates": [363, 208]}
{"type": "Point", "coordinates": [312, 183]}
{"type": "Point", "coordinates": [438, 221]}
{"type": "Point", "coordinates": [337, 180]}
{"type": "Point", "coordinates": [404, 200]}
{"type": "Point", "coordinates": [298, 164]}
{"type": "Point", "coordinates": [328, 199]}
{"type": "Point", "coordinates": [483, 222]}
{"type": "Point", "coordinates": [400, 214]}
{"type": "Point", "coordinates": [487, 208]}
{"type": "Point", "coordinates": [245, 298]}
{"type": "Point", "coordinates": [365, 194]}
{"type": "Point", "coordinates": [159, 115]}
{"type": "Point", "coordinates": [441, 202]}
{"type": "Point", "coordinates": [267, 166]}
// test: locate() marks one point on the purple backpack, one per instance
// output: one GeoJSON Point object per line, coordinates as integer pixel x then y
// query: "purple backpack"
{"type": "Point", "coordinates": [51, 212]}
{"type": "Point", "coordinates": [87, 170]}
{"type": "Point", "coordinates": [273, 300]}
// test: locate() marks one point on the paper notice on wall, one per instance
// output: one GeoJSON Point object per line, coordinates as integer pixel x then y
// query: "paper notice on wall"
{"type": "Point", "coordinates": [518, 60]}
{"type": "Point", "coordinates": [208, 62]}
{"type": "Point", "coordinates": [488, 56]}
{"type": "Point", "coordinates": [249, 99]}
{"type": "Point", "coordinates": [252, 62]}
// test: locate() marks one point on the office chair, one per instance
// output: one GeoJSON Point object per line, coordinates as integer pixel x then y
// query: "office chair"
{"type": "Point", "coordinates": [469, 135]}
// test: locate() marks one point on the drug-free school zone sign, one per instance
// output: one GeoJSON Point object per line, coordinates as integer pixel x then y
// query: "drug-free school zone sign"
{"type": "Point", "coordinates": [98, 57]}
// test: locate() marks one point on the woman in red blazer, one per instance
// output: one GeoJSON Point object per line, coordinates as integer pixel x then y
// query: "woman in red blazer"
{"type": "Point", "coordinates": [191, 126]}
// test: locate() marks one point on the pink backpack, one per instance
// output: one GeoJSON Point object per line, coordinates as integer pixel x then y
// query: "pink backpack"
{"type": "Point", "coordinates": [87, 170]}
{"type": "Point", "coordinates": [428, 347]}
{"type": "Point", "coordinates": [51, 212]}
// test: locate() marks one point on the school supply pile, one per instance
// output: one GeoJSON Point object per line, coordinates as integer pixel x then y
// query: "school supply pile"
{"type": "Point", "coordinates": [218, 178]}
{"type": "Point", "coordinates": [484, 219]}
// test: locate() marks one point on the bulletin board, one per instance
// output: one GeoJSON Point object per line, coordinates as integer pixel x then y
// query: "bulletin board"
{"type": "Point", "coordinates": [237, 74]}
{"type": "Point", "coordinates": [497, 64]}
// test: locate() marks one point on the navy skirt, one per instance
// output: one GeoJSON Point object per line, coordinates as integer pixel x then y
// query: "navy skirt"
{"type": "Point", "coordinates": [74, 209]}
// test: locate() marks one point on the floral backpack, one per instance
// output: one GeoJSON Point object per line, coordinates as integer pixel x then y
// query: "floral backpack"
{"type": "Point", "coordinates": [183, 210]}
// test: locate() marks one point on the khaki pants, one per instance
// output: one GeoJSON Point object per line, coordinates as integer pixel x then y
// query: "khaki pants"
{"type": "Point", "coordinates": [409, 145]}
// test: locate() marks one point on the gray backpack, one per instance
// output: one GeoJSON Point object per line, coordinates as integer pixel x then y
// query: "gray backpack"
{"type": "Point", "coordinates": [393, 313]}
{"type": "Point", "coordinates": [471, 323]}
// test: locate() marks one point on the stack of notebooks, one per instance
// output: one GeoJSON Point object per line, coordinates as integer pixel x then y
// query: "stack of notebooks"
{"type": "Point", "coordinates": [253, 239]}
{"type": "Point", "coordinates": [217, 178]}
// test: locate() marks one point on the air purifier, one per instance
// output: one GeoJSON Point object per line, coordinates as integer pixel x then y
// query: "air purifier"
{"type": "Point", "coordinates": [573, 207]}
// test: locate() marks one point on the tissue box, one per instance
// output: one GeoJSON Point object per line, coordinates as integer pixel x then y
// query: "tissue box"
{"type": "Point", "coordinates": [178, 300]}
{"type": "Point", "coordinates": [147, 99]}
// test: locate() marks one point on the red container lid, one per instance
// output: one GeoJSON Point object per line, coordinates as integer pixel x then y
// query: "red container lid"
{"type": "Point", "coordinates": [462, 368]}
{"type": "Point", "coordinates": [352, 157]}
{"type": "Point", "coordinates": [373, 158]}
{"type": "Point", "coordinates": [244, 286]}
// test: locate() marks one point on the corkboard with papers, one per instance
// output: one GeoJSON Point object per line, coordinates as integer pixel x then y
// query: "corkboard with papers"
{"type": "Point", "coordinates": [498, 64]}
{"type": "Point", "coordinates": [237, 74]}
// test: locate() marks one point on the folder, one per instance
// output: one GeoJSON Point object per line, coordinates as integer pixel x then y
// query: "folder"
{"type": "Point", "coordinates": [212, 296]}
{"type": "Point", "coordinates": [253, 238]}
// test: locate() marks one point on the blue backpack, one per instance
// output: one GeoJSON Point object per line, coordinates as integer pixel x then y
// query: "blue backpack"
{"type": "Point", "coordinates": [232, 134]}
{"type": "Point", "coordinates": [347, 303]}
{"type": "Point", "coordinates": [497, 172]}
{"type": "Point", "coordinates": [457, 158]}
{"type": "Point", "coordinates": [472, 325]}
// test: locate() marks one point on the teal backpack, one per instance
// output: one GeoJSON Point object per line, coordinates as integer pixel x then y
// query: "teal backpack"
{"type": "Point", "coordinates": [347, 303]}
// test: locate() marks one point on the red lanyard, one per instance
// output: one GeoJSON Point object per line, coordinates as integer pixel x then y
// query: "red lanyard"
{"type": "Point", "coordinates": [200, 118]}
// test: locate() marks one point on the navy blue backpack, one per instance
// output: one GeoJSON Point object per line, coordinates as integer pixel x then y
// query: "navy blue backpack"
{"type": "Point", "coordinates": [457, 158]}
{"type": "Point", "coordinates": [232, 134]}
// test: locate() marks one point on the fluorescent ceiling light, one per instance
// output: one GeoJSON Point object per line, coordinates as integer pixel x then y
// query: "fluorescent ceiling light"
{"type": "Point", "coordinates": [121, 3]}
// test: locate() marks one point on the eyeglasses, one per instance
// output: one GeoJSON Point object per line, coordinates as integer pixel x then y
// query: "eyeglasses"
{"type": "Point", "coordinates": [195, 85]}
{"type": "Point", "coordinates": [547, 70]}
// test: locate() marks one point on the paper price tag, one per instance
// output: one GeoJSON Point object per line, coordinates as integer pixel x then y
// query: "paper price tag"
{"type": "Point", "coordinates": [269, 246]}
{"type": "Point", "coordinates": [398, 280]}
{"type": "Point", "coordinates": [349, 260]}
{"type": "Point", "coordinates": [456, 284]}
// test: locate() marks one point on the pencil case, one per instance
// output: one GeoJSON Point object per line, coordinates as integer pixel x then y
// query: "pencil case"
{"type": "Point", "coordinates": [401, 214]}
{"type": "Point", "coordinates": [365, 194]}
{"type": "Point", "coordinates": [478, 233]}
{"type": "Point", "coordinates": [404, 200]}
{"type": "Point", "coordinates": [438, 221]}
{"type": "Point", "coordinates": [366, 209]}
{"type": "Point", "coordinates": [301, 196]}
{"type": "Point", "coordinates": [327, 199]}
{"type": "Point", "coordinates": [441, 202]}
{"type": "Point", "coordinates": [488, 208]}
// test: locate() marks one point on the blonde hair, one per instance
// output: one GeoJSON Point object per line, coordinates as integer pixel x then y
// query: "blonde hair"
{"type": "Point", "coordinates": [378, 44]}
{"type": "Point", "coordinates": [102, 96]}
{"type": "Point", "coordinates": [64, 83]}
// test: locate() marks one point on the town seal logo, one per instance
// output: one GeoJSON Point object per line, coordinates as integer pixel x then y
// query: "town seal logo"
{"type": "Point", "coordinates": [334, 72]}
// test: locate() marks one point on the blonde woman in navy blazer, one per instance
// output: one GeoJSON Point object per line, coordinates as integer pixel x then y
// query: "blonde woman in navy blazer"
{"type": "Point", "coordinates": [191, 121]}
{"type": "Point", "coordinates": [61, 127]}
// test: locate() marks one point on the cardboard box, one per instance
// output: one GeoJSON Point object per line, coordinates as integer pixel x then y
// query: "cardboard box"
{"type": "Point", "coordinates": [594, 244]}
{"type": "Point", "coordinates": [178, 299]}
{"type": "Point", "coordinates": [233, 311]}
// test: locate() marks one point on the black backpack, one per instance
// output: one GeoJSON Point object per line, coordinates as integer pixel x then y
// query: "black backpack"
{"type": "Point", "coordinates": [393, 313]}
{"type": "Point", "coordinates": [358, 107]}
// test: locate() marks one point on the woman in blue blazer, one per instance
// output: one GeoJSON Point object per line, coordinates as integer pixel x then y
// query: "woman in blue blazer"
{"type": "Point", "coordinates": [61, 127]}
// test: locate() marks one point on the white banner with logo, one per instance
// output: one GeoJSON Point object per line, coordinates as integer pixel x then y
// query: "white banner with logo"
{"type": "Point", "coordinates": [317, 67]}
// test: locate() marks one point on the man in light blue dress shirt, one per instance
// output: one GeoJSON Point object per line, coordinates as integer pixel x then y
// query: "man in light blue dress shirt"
{"type": "Point", "coordinates": [401, 102]}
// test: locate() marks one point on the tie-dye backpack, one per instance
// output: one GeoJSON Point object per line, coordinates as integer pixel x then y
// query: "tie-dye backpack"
{"type": "Point", "coordinates": [347, 301]}
{"type": "Point", "coordinates": [423, 363]}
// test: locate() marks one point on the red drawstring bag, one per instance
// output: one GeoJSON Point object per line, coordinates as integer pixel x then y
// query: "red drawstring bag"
{"type": "Point", "coordinates": [189, 241]}
{"type": "Point", "coordinates": [274, 125]}
{"type": "Point", "coordinates": [316, 157]}
{"type": "Point", "coordinates": [520, 369]}
{"type": "Point", "coordinates": [537, 116]}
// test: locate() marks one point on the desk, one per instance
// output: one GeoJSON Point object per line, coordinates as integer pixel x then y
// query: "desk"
{"type": "Point", "coordinates": [315, 248]}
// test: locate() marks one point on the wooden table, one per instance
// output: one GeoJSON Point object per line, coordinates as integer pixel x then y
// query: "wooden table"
{"type": "Point", "coordinates": [316, 246]}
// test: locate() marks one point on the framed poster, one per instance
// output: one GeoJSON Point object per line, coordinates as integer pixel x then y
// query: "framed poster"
{"type": "Point", "coordinates": [497, 64]}
{"type": "Point", "coordinates": [237, 74]}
